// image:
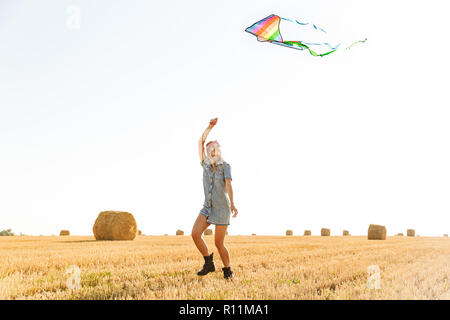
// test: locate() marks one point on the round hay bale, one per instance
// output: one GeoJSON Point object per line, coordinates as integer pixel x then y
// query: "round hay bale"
{"type": "Point", "coordinates": [180, 232]}
{"type": "Point", "coordinates": [115, 225]}
{"type": "Point", "coordinates": [345, 233]}
{"type": "Point", "coordinates": [208, 232]}
{"type": "Point", "coordinates": [253, 234]}
{"type": "Point", "coordinates": [307, 233]}
{"type": "Point", "coordinates": [410, 232]}
{"type": "Point", "coordinates": [445, 235]}
{"type": "Point", "coordinates": [165, 234]}
{"type": "Point", "coordinates": [289, 232]}
{"type": "Point", "coordinates": [400, 234]}
{"type": "Point", "coordinates": [139, 233]}
{"type": "Point", "coordinates": [324, 232]}
{"type": "Point", "coordinates": [64, 233]}
{"type": "Point", "coordinates": [376, 232]}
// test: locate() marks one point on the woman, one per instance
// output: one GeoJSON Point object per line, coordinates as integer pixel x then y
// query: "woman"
{"type": "Point", "coordinates": [216, 208]}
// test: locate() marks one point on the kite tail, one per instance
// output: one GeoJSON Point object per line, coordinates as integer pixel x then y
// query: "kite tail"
{"type": "Point", "coordinates": [300, 45]}
{"type": "Point", "coordinates": [327, 53]}
{"type": "Point", "coordinates": [359, 41]}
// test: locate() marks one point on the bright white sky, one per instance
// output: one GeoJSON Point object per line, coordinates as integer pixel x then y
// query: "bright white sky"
{"type": "Point", "coordinates": [108, 117]}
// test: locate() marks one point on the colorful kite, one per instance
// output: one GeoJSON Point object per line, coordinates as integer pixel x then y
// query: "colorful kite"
{"type": "Point", "coordinates": [315, 38]}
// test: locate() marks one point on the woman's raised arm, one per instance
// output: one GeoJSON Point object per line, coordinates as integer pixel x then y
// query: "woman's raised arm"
{"type": "Point", "coordinates": [201, 142]}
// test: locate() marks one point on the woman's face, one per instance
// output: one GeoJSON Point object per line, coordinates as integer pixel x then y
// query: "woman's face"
{"type": "Point", "coordinates": [214, 150]}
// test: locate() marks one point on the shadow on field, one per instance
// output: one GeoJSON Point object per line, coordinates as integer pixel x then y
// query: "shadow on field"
{"type": "Point", "coordinates": [82, 241]}
{"type": "Point", "coordinates": [75, 241]}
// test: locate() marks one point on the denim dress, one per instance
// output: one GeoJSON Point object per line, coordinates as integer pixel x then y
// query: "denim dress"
{"type": "Point", "coordinates": [216, 207]}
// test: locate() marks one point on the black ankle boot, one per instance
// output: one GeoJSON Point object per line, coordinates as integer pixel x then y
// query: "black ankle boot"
{"type": "Point", "coordinates": [208, 266]}
{"type": "Point", "coordinates": [227, 273]}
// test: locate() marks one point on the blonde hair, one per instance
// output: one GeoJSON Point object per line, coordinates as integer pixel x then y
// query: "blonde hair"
{"type": "Point", "coordinates": [218, 154]}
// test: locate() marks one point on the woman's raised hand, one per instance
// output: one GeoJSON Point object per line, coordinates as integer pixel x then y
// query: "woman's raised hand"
{"type": "Point", "coordinates": [213, 122]}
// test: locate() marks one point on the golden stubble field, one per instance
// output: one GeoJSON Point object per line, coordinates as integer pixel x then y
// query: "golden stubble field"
{"type": "Point", "coordinates": [266, 267]}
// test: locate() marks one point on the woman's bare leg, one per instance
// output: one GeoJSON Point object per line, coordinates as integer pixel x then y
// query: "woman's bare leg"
{"type": "Point", "coordinates": [219, 238]}
{"type": "Point", "coordinates": [200, 225]}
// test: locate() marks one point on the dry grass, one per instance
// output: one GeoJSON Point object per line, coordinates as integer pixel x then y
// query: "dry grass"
{"type": "Point", "coordinates": [164, 267]}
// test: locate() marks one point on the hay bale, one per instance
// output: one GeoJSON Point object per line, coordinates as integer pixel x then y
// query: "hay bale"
{"type": "Point", "coordinates": [289, 232]}
{"type": "Point", "coordinates": [307, 233]}
{"type": "Point", "coordinates": [345, 233]}
{"type": "Point", "coordinates": [445, 235]}
{"type": "Point", "coordinates": [324, 232]}
{"type": "Point", "coordinates": [253, 234]}
{"type": "Point", "coordinates": [165, 234]}
{"type": "Point", "coordinates": [180, 232]}
{"type": "Point", "coordinates": [139, 233]}
{"type": "Point", "coordinates": [64, 233]}
{"type": "Point", "coordinates": [400, 234]}
{"type": "Point", "coordinates": [376, 232]}
{"type": "Point", "coordinates": [115, 225]}
{"type": "Point", "coordinates": [410, 232]}
{"type": "Point", "coordinates": [208, 232]}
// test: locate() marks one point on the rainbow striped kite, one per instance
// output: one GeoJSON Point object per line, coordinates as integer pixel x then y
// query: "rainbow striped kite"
{"type": "Point", "coordinates": [316, 42]}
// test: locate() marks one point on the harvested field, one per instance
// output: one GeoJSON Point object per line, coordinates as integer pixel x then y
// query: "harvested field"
{"type": "Point", "coordinates": [164, 267]}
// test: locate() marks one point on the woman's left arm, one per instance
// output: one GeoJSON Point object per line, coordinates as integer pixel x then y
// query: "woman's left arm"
{"type": "Point", "coordinates": [230, 195]}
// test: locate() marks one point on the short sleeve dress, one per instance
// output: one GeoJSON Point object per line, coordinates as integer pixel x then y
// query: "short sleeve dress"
{"type": "Point", "coordinates": [216, 207]}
